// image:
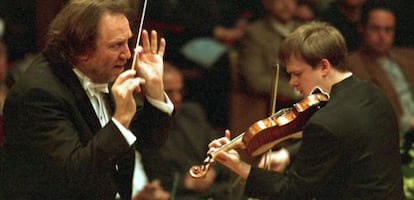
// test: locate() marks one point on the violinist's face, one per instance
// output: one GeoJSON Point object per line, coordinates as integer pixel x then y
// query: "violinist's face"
{"type": "Point", "coordinates": [112, 52]}
{"type": "Point", "coordinates": [303, 77]}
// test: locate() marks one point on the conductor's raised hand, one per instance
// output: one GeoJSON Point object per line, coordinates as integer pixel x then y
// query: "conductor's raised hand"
{"type": "Point", "coordinates": [150, 66]}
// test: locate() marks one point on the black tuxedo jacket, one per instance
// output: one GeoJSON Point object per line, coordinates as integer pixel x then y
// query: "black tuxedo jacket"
{"type": "Point", "coordinates": [56, 148]}
{"type": "Point", "coordinates": [349, 151]}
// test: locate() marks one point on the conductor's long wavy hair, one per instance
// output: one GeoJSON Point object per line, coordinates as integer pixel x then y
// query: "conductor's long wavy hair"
{"type": "Point", "coordinates": [75, 29]}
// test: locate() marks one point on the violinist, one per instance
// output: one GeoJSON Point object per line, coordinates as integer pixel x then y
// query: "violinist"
{"type": "Point", "coordinates": [73, 127]}
{"type": "Point", "coordinates": [350, 147]}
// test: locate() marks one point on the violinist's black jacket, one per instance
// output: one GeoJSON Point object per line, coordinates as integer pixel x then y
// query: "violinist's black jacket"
{"type": "Point", "coordinates": [349, 151]}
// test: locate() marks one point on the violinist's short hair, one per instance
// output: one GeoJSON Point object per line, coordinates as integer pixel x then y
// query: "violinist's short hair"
{"type": "Point", "coordinates": [75, 28]}
{"type": "Point", "coordinates": [313, 42]}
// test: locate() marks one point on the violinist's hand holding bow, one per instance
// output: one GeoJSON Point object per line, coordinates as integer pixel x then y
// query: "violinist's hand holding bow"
{"type": "Point", "coordinates": [231, 158]}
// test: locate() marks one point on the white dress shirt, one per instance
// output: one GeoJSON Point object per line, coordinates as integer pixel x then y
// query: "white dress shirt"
{"type": "Point", "coordinates": [95, 94]}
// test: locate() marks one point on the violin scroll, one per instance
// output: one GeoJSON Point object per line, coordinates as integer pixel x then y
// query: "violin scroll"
{"type": "Point", "coordinates": [199, 171]}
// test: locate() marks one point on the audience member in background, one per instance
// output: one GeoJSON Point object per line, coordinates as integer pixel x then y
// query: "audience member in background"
{"type": "Point", "coordinates": [257, 60]}
{"type": "Point", "coordinates": [72, 123]}
{"type": "Point", "coordinates": [345, 16]}
{"type": "Point", "coordinates": [305, 11]}
{"type": "Point", "coordinates": [187, 145]}
{"type": "Point", "coordinates": [309, 10]}
{"type": "Point", "coordinates": [391, 69]}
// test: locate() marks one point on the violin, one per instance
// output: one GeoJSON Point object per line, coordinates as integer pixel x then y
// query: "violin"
{"type": "Point", "coordinates": [266, 133]}
{"type": "Point", "coordinates": [283, 125]}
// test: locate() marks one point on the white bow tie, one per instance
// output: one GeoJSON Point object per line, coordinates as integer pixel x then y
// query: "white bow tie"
{"type": "Point", "coordinates": [94, 88]}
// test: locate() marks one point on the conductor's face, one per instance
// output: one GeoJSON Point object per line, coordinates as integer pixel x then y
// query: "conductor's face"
{"type": "Point", "coordinates": [112, 52]}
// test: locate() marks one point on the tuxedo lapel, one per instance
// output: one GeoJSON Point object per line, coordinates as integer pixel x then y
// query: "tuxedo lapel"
{"type": "Point", "coordinates": [65, 73]}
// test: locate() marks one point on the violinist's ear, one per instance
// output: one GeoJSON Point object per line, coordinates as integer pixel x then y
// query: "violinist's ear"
{"type": "Point", "coordinates": [325, 66]}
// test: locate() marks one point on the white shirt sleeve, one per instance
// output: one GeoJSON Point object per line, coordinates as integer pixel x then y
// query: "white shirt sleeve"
{"type": "Point", "coordinates": [166, 106]}
{"type": "Point", "coordinates": [128, 135]}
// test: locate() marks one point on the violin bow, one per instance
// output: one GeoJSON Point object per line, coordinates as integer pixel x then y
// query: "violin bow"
{"type": "Point", "coordinates": [139, 33]}
{"type": "Point", "coordinates": [275, 82]}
